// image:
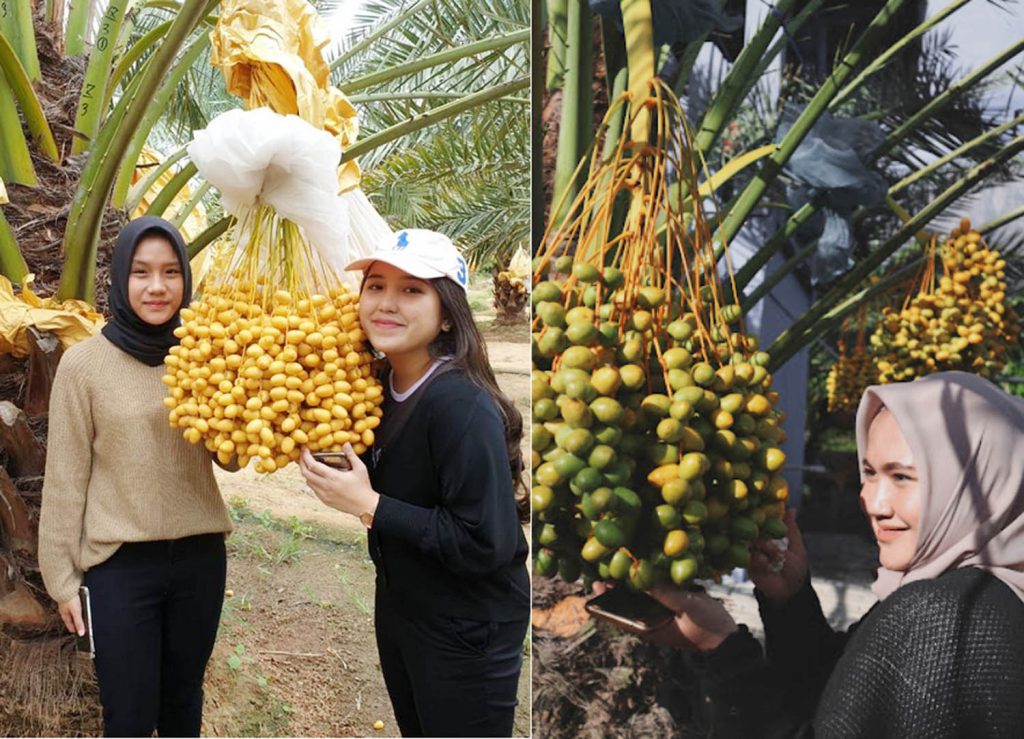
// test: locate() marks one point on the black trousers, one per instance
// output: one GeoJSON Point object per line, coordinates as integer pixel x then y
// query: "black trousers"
{"type": "Point", "coordinates": [448, 676]}
{"type": "Point", "coordinates": [155, 610]}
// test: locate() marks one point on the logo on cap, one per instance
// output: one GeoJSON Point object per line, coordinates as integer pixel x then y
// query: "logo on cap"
{"type": "Point", "coordinates": [403, 241]}
{"type": "Point", "coordinates": [462, 275]}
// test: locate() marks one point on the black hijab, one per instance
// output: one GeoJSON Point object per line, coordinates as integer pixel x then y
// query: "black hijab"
{"type": "Point", "coordinates": [144, 341]}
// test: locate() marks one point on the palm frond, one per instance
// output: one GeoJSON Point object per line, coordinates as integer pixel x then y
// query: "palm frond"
{"type": "Point", "coordinates": [936, 69]}
{"type": "Point", "coordinates": [470, 179]}
{"type": "Point", "coordinates": [468, 176]}
{"type": "Point", "coordinates": [430, 28]}
{"type": "Point", "coordinates": [199, 98]}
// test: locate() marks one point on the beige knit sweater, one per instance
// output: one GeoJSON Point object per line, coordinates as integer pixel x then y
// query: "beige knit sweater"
{"type": "Point", "coordinates": [116, 471]}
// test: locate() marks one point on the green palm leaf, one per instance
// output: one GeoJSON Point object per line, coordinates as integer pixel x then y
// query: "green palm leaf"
{"type": "Point", "coordinates": [467, 176]}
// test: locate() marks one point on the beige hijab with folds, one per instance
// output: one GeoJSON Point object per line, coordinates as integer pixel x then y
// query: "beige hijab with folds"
{"type": "Point", "coordinates": [967, 438]}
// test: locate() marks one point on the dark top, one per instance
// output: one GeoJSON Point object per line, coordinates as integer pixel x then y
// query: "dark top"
{"type": "Point", "coordinates": [937, 658]}
{"type": "Point", "coordinates": [446, 538]}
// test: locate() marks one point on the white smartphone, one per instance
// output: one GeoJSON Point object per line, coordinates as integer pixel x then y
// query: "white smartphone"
{"type": "Point", "coordinates": [85, 643]}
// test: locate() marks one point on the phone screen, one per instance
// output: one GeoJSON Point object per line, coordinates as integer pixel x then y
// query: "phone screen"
{"type": "Point", "coordinates": [632, 610]}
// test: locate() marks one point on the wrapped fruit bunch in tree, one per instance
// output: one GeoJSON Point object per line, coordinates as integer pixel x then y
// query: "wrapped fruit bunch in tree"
{"type": "Point", "coordinates": [655, 437]}
{"type": "Point", "coordinates": [271, 356]}
{"type": "Point", "coordinates": [510, 288]}
{"type": "Point", "coordinates": [959, 320]}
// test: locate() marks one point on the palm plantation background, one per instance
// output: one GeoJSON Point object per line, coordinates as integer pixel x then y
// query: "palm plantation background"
{"type": "Point", "coordinates": [97, 101]}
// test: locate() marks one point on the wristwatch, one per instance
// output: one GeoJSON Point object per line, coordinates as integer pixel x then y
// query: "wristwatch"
{"type": "Point", "coordinates": [366, 517]}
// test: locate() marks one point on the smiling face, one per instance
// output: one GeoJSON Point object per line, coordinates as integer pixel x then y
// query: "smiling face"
{"type": "Point", "coordinates": [889, 494]}
{"type": "Point", "coordinates": [399, 313]}
{"type": "Point", "coordinates": [155, 281]}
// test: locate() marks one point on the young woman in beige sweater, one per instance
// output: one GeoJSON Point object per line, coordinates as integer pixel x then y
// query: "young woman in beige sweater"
{"type": "Point", "coordinates": [130, 509]}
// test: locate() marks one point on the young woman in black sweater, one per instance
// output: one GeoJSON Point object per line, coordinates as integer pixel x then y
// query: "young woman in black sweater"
{"type": "Point", "coordinates": [437, 492]}
{"type": "Point", "coordinates": [942, 653]}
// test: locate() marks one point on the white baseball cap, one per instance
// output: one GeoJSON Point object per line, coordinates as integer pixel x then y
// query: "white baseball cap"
{"type": "Point", "coordinates": [421, 253]}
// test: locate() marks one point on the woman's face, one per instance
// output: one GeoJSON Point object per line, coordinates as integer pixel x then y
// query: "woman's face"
{"type": "Point", "coordinates": [155, 282]}
{"type": "Point", "coordinates": [399, 313]}
{"type": "Point", "coordinates": [889, 494]}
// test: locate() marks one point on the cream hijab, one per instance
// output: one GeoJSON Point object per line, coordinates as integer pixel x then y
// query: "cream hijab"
{"type": "Point", "coordinates": [967, 438]}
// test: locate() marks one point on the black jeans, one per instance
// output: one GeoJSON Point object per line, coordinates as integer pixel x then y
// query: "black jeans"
{"type": "Point", "coordinates": [155, 610]}
{"type": "Point", "coordinates": [449, 676]}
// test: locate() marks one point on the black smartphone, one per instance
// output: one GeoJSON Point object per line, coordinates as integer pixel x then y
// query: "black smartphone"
{"type": "Point", "coordinates": [630, 610]}
{"type": "Point", "coordinates": [337, 460]}
{"type": "Point", "coordinates": [85, 643]}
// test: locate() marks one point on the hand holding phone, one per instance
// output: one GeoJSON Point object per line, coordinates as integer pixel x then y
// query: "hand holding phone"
{"type": "Point", "coordinates": [688, 619]}
{"type": "Point", "coordinates": [71, 614]}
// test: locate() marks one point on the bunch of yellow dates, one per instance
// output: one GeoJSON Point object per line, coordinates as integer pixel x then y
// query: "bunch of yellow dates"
{"type": "Point", "coordinates": [965, 323]}
{"type": "Point", "coordinates": [260, 374]}
{"type": "Point", "coordinates": [849, 377]}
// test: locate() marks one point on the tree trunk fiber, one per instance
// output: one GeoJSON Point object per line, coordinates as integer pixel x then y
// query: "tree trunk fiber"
{"type": "Point", "coordinates": [18, 532]}
{"type": "Point", "coordinates": [22, 616]}
{"type": "Point", "coordinates": [44, 355]}
{"type": "Point", "coordinates": [26, 456]}
{"type": "Point", "coordinates": [8, 364]}
{"type": "Point", "coordinates": [8, 577]}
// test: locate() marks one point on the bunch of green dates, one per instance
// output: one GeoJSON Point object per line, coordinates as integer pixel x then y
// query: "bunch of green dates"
{"type": "Point", "coordinates": [650, 463]}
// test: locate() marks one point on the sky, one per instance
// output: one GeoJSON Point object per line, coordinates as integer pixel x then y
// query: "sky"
{"type": "Point", "coordinates": [338, 22]}
{"type": "Point", "coordinates": [980, 31]}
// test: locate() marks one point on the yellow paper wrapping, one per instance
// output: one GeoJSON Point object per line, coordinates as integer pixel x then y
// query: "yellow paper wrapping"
{"type": "Point", "coordinates": [196, 223]}
{"type": "Point", "coordinates": [215, 258]}
{"type": "Point", "coordinates": [70, 320]}
{"type": "Point", "coordinates": [271, 54]}
{"type": "Point", "coordinates": [342, 121]}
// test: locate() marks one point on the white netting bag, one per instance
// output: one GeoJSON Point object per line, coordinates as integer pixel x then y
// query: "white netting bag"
{"type": "Point", "coordinates": [259, 157]}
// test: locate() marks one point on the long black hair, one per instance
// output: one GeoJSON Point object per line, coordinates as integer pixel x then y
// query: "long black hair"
{"type": "Point", "coordinates": [464, 343]}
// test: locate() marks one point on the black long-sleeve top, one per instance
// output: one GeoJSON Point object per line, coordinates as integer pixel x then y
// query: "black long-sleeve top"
{"type": "Point", "coordinates": [446, 538]}
{"type": "Point", "coordinates": [937, 659]}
